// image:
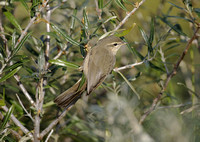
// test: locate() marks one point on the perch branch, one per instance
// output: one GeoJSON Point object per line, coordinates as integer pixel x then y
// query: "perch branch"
{"type": "Point", "coordinates": [129, 14]}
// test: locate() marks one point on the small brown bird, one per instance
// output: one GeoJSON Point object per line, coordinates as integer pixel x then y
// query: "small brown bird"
{"type": "Point", "coordinates": [98, 63]}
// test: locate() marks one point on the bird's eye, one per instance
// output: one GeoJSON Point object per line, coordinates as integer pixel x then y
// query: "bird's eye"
{"type": "Point", "coordinates": [115, 44]}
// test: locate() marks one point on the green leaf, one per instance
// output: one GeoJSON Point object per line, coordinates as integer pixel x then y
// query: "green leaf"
{"type": "Point", "coordinates": [86, 21]}
{"type": "Point", "coordinates": [63, 34]}
{"type": "Point", "coordinates": [73, 19]}
{"type": "Point", "coordinates": [12, 19]}
{"type": "Point", "coordinates": [13, 39]}
{"type": "Point", "coordinates": [83, 79]}
{"type": "Point", "coordinates": [176, 28]}
{"type": "Point", "coordinates": [146, 39]}
{"type": "Point", "coordinates": [21, 43]}
{"type": "Point", "coordinates": [197, 11]}
{"type": "Point", "coordinates": [100, 4]}
{"type": "Point", "coordinates": [2, 101]}
{"type": "Point", "coordinates": [120, 4]}
{"type": "Point", "coordinates": [133, 50]}
{"type": "Point", "coordinates": [125, 32]}
{"type": "Point", "coordinates": [151, 36]}
{"type": "Point", "coordinates": [14, 66]}
{"type": "Point", "coordinates": [129, 84]}
{"type": "Point", "coordinates": [107, 3]}
{"type": "Point", "coordinates": [79, 21]}
{"type": "Point", "coordinates": [63, 63]}
{"type": "Point", "coordinates": [110, 18]}
{"type": "Point", "coordinates": [176, 6]}
{"type": "Point", "coordinates": [10, 74]}
{"type": "Point", "coordinates": [41, 60]}
{"type": "Point", "coordinates": [7, 117]}
{"type": "Point", "coordinates": [155, 67]}
{"type": "Point", "coordinates": [24, 4]}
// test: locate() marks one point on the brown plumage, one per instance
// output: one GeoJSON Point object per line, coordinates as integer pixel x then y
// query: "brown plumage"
{"type": "Point", "coordinates": [98, 63]}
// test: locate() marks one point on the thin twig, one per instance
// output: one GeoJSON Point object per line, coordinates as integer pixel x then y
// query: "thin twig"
{"type": "Point", "coordinates": [28, 114]}
{"type": "Point", "coordinates": [21, 86]}
{"type": "Point", "coordinates": [99, 13]}
{"type": "Point", "coordinates": [128, 66]}
{"type": "Point", "coordinates": [18, 123]}
{"type": "Point", "coordinates": [129, 14]}
{"type": "Point", "coordinates": [49, 135]}
{"type": "Point", "coordinates": [174, 71]}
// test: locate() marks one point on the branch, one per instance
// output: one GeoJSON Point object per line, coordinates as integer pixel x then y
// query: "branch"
{"type": "Point", "coordinates": [129, 14]}
{"type": "Point", "coordinates": [18, 123]}
{"type": "Point", "coordinates": [99, 12]}
{"type": "Point", "coordinates": [21, 86]}
{"type": "Point", "coordinates": [169, 77]}
{"type": "Point", "coordinates": [28, 114]}
{"type": "Point", "coordinates": [128, 66]}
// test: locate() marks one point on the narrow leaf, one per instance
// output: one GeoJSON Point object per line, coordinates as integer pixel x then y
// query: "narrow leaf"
{"type": "Point", "coordinates": [7, 117]}
{"type": "Point", "coordinates": [2, 101]}
{"type": "Point", "coordinates": [73, 19]}
{"type": "Point", "coordinates": [12, 19]}
{"type": "Point", "coordinates": [63, 34]}
{"type": "Point", "coordinates": [86, 21]}
{"type": "Point", "coordinates": [83, 80]}
{"type": "Point", "coordinates": [24, 4]}
{"type": "Point", "coordinates": [146, 39]}
{"type": "Point", "coordinates": [125, 32]}
{"type": "Point", "coordinates": [120, 4]}
{"type": "Point", "coordinates": [176, 27]}
{"type": "Point", "coordinates": [63, 63]}
{"type": "Point", "coordinates": [10, 74]}
{"type": "Point", "coordinates": [21, 43]}
{"type": "Point", "coordinates": [14, 66]}
{"type": "Point", "coordinates": [176, 6]}
{"type": "Point", "coordinates": [100, 4]}
{"type": "Point", "coordinates": [151, 36]}
{"type": "Point", "coordinates": [107, 3]}
{"type": "Point", "coordinates": [197, 11]}
{"type": "Point", "coordinates": [129, 84]}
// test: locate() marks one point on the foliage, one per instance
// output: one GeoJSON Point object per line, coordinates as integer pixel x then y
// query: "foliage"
{"type": "Point", "coordinates": [42, 47]}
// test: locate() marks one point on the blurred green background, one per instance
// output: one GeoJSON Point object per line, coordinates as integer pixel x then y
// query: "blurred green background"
{"type": "Point", "coordinates": [113, 111]}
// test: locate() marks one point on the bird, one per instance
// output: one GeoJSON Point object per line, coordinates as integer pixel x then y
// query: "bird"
{"type": "Point", "coordinates": [97, 65]}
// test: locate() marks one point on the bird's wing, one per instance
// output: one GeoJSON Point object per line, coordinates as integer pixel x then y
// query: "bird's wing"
{"type": "Point", "coordinates": [98, 67]}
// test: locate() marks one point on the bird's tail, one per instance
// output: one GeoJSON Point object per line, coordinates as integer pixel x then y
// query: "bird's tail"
{"type": "Point", "coordinates": [70, 96]}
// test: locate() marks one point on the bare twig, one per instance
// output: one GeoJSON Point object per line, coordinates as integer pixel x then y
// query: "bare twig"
{"type": "Point", "coordinates": [28, 114]}
{"type": "Point", "coordinates": [27, 95]}
{"type": "Point", "coordinates": [49, 135]}
{"type": "Point", "coordinates": [129, 14]}
{"type": "Point", "coordinates": [18, 123]}
{"type": "Point", "coordinates": [128, 66]}
{"type": "Point", "coordinates": [99, 12]}
{"type": "Point", "coordinates": [174, 71]}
